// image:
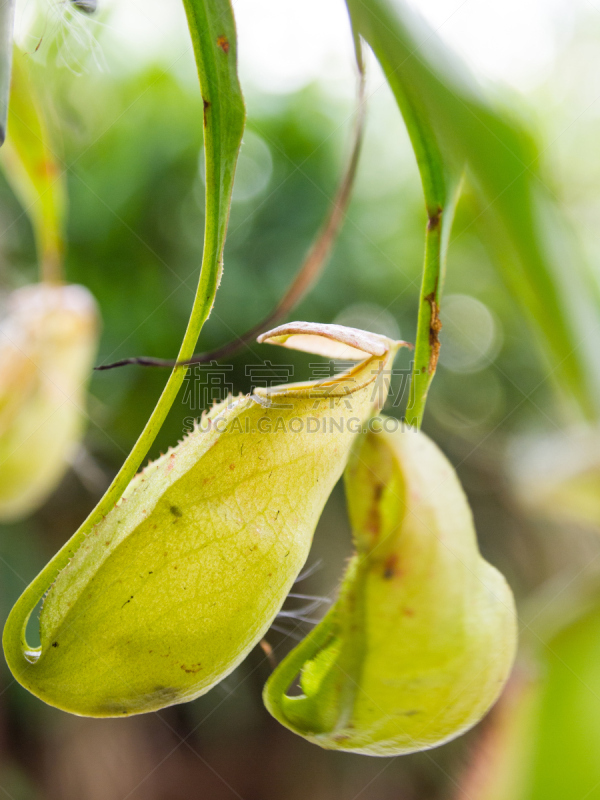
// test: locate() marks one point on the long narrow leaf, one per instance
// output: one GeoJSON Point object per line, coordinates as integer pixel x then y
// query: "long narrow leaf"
{"type": "Point", "coordinates": [212, 27]}
{"type": "Point", "coordinates": [442, 103]}
{"type": "Point", "coordinates": [33, 170]}
{"type": "Point", "coordinates": [440, 178]}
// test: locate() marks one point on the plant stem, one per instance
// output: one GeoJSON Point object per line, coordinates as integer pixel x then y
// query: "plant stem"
{"type": "Point", "coordinates": [427, 343]}
{"type": "Point", "coordinates": [51, 257]}
{"type": "Point", "coordinates": [429, 324]}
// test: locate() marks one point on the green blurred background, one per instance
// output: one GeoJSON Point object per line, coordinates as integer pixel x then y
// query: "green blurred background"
{"type": "Point", "coordinates": [127, 123]}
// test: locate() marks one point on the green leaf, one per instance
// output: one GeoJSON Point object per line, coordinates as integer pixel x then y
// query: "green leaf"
{"type": "Point", "coordinates": [566, 739]}
{"type": "Point", "coordinates": [453, 123]}
{"type": "Point", "coordinates": [212, 28]}
{"type": "Point", "coordinates": [170, 591]}
{"type": "Point", "coordinates": [33, 170]}
{"type": "Point", "coordinates": [545, 737]}
{"type": "Point", "coordinates": [422, 637]}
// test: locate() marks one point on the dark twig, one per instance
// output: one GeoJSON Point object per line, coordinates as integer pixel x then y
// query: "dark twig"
{"type": "Point", "coordinates": [306, 277]}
